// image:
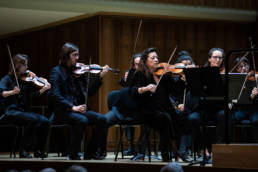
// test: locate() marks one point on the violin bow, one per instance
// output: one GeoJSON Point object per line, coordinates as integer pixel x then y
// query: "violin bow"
{"type": "Point", "coordinates": [166, 67]}
{"type": "Point", "coordinates": [14, 72]}
{"type": "Point", "coordinates": [241, 59]}
{"type": "Point", "coordinates": [137, 37]}
{"type": "Point", "coordinates": [252, 46]}
{"type": "Point", "coordinates": [242, 88]}
{"type": "Point", "coordinates": [87, 86]}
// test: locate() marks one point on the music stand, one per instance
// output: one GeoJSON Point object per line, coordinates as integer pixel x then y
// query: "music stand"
{"type": "Point", "coordinates": [208, 84]}
{"type": "Point", "coordinates": [236, 81]}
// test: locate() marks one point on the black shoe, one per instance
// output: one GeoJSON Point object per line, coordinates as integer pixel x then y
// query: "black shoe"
{"type": "Point", "coordinates": [165, 157]}
{"type": "Point", "coordinates": [74, 157]}
{"type": "Point", "coordinates": [96, 156]}
{"type": "Point", "coordinates": [39, 154]}
{"type": "Point", "coordinates": [25, 154]}
{"type": "Point", "coordinates": [128, 152]}
{"type": "Point", "coordinates": [184, 157]}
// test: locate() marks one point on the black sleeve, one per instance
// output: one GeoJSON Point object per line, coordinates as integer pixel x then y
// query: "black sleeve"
{"type": "Point", "coordinates": [94, 85]}
{"type": "Point", "coordinates": [126, 83]}
{"type": "Point", "coordinates": [3, 84]}
{"type": "Point", "coordinates": [138, 81]}
{"type": "Point", "coordinates": [122, 82]}
{"type": "Point", "coordinates": [55, 93]}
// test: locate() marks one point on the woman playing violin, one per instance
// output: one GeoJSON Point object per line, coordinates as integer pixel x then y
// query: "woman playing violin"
{"type": "Point", "coordinates": [153, 102]}
{"type": "Point", "coordinates": [17, 110]}
{"type": "Point", "coordinates": [247, 112]}
{"type": "Point", "coordinates": [68, 96]}
{"type": "Point", "coordinates": [187, 110]}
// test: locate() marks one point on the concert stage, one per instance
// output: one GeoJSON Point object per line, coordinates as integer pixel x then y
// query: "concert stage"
{"type": "Point", "coordinates": [109, 165]}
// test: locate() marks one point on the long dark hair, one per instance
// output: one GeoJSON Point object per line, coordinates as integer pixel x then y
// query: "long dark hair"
{"type": "Point", "coordinates": [133, 58]}
{"type": "Point", "coordinates": [142, 65]}
{"type": "Point", "coordinates": [18, 61]}
{"type": "Point", "coordinates": [66, 50]}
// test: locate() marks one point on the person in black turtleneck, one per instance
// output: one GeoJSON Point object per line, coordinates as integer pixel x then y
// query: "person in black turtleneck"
{"type": "Point", "coordinates": [153, 103]}
{"type": "Point", "coordinates": [17, 102]}
{"type": "Point", "coordinates": [67, 97]}
{"type": "Point", "coordinates": [119, 110]}
{"type": "Point", "coordinates": [187, 109]}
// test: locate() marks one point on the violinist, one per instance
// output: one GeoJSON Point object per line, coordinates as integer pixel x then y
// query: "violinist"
{"type": "Point", "coordinates": [247, 113]}
{"type": "Point", "coordinates": [153, 103]}
{"type": "Point", "coordinates": [120, 111]}
{"type": "Point", "coordinates": [18, 97]}
{"type": "Point", "coordinates": [68, 102]}
{"type": "Point", "coordinates": [187, 111]}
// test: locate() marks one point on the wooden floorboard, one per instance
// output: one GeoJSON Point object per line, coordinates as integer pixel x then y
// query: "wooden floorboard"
{"type": "Point", "coordinates": [123, 165]}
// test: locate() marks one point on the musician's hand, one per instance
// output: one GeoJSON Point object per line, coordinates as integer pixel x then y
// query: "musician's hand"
{"type": "Point", "coordinates": [46, 87]}
{"type": "Point", "coordinates": [254, 93]}
{"type": "Point", "coordinates": [126, 76]}
{"type": "Point", "coordinates": [105, 69]}
{"type": "Point", "coordinates": [151, 88]}
{"type": "Point", "coordinates": [230, 106]}
{"type": "Point", "coordinates": [15, 90]}
{"type": "Point", "coordinates": [183, 77]}
{"type": "Point", "coordinates": [181, 107]}
{"type": "Point", "coordinates": [191, 66]}
{"type": "Point", "coordinates": [80, 108]}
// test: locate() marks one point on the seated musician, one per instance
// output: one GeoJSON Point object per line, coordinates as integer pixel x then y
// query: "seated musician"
{"type": "Point", "coordinates": [120, 110]}
{"type": "Point", "coordinates": [68, 102]}
{"type": "Point", "coordinates": [153, 103]}
{"type": "Point", "coordinates": [247, 113]}
{"type": "Point", "coordinates": [188, 111]}
{"type": "Point", "coordinates": [18, 96]}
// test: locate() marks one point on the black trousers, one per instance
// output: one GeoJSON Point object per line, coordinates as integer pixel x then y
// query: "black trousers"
{"type": "Point", "coordinates": [79, 121]}
{"type": "Point", "coordinates": [35, 128]}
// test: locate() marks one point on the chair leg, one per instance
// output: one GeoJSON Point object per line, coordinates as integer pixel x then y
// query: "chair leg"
{"type": "Point", "coordinates": [119, 143]}
{"type": "Point", "coordinates": [121, 139]}
{"type": "Point", "coordinates": [21, 129]}
{"type": "Point", "coordinates": [13, 150]}
{"type": "Point", "coordinates": [48, 141]}
{"type": "Point", "coordinates": [149, 147]}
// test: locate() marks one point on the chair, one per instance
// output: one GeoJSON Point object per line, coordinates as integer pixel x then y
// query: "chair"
{"type": "Point", "coordinates": [245, 132]}
{"type": "Point", "coordinates": [52, 127]}
{"type": "Point", "coordinates": [125, 121]}
{"type": "Point", "coordinates": [5, 124]}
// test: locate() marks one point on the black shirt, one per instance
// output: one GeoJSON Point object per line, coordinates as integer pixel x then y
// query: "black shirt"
{"type": "Point", "coordinates": [19, 101]}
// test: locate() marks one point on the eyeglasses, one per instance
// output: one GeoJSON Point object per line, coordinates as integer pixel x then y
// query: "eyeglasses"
{"type": "Point", "coordinates": [217, 57]}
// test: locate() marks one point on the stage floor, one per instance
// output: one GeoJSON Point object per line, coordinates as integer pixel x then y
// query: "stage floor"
{"type": "Point", "coordinates": [54, 161]}
{"type": "Point", "coordinates": [121, 165]}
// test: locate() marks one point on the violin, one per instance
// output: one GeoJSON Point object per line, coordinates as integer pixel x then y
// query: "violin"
{"type": "Point", "coordinates": [81, 69]}
{"type": "Point", "coordinates": [176, 69]}
{"type": "Point", "coordinates": [31, 77]}
{"type": "Point", "coordinates": [251, 76]}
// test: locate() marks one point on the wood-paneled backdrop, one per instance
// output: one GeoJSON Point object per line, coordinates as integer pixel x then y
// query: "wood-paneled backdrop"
{"type": "Point", "coordinates": [109, 38]}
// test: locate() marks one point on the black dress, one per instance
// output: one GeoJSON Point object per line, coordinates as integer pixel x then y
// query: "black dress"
{"type": "Point", "coordinates": [156, 109]}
